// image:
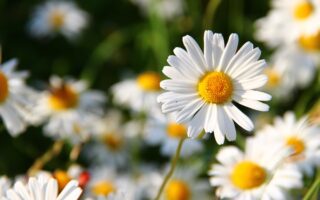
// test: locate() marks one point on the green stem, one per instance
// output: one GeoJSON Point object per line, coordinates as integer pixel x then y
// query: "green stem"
{"type": "Point", "coordinates": [172, 168]}
{"type": "Point", "coordinates": [210, 12]}
{"type": "Point", "coordinates": [312, 190]}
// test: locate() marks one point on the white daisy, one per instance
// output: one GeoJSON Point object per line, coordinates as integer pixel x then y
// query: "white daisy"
{"type": "Point", "coordinates": [110, 146]}
{"type": "Point", "coordinates": [42, 188]}
{"type": "Point", "coordinates": [58, 16]}
{"type": "Point", "coordinates": [139, 94]}
{"type": "Point", "coordinates": [289, 70]}
{"type": "Point", "coordinates": [203, 85]}
{"type": "Point", "coordinates": [255, 174]}
{"type": "Point", "coordinates": [300, 135]}
{"type": "Point", "coordinates": [167, 9]}
{"type": "Point", "coordinates": [16, 99]}
{"type": "Point", "coordinates": [5, 184]}
{"type": "Point", "coordinates": [168, 133]}
{"type": "Point", "coordinates": [298, 17]}
{"type": "Point", "coordinates": [70, 108]}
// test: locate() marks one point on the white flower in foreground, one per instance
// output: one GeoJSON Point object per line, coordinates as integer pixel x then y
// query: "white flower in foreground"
{"type": "Point", "coordinates": [168, 134]}
{"type": "Point", "coordinates": [16, 99]}
{"type": "Point", "coordinates": [255, 174]}
{"type": "Point", "coordinates": [5, 184]}
{"type": "Point", "coordinates": [139, 94]}
{"type": "Point", "coordinates": [71, 109]}
{"type": "Point", "coordinates": [167, 9]}
{"type": "Point", "coordinates": [298, 17]}
{"type": "Point", "coordinates": [58, 16]}
{"type": "Point", "coordinates": [42, 188]}
{"type": "Point", "coordinates": [289, 70]}
{"type": "Point", "coordinates": [300, 135]}
{"type": "Point", "coordinates": [203, 85]}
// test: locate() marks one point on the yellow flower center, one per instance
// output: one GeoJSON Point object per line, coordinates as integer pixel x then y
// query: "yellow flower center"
{"type": "Point", "coordinates": [296, 144]}
{"type": "Point", "coordinates": [63, 98]}
{"type": "Point", "coordinates": [113, 141]}
{"type": "Point", "coordinates": [62, 178]}
{"type": "Point", "coordinates": [303, 10]}
{"type": "Point", "coordinates": [56, 19]}
{"type": "Point", "coordinates": [310, 43]}
{"type": "Point", "coordinates": [177, 190]}
{"type": "Point", "coordinates": [149, 81]}
{"type": "Point", "coordinates": [274, 78]}
{"type": "Point", "coordinates": [103, 188]}
{"type": "Point", "coordinates": [215, 87]}
{"type": "Point", "coordinates": [4, 87]}
{"type": "Point", "coordinates": [176, 130]}
{"type": "Point", "coordinates": [247, 175]}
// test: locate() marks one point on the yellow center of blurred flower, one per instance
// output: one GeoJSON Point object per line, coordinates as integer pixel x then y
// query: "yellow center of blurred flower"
{"type": "Point", "coordinates": [103, 188]}
{"type": "Point", "coordinates": [63, 98]}
{"type": "Point", "coordinates": [149, 81]}
{"type": "Point", "coordinates": [113, 141]}
{"type": "Point", "coordinates": [247, 175]}
{"type": "Point", "coordinates": [215, 87]}
{"type": "Point", "coordinates": [303, 10]}
{"type": "Point", "coordinates": [274, 78]}
{"type": "Point", "coordinates": [4, 88]}
{"type": "Point", "coordinates": [310, 43]}
{"type": "Point", "coordinates": [62, 178]}
{"type": "Point", "coordinates": [56, 19]}
{"type": "Point", "coordinates": [176, 130]}
{"type": "Point", "coordinates": [296, 144]}
{"type": "Point", "coordinates": [177, 190]}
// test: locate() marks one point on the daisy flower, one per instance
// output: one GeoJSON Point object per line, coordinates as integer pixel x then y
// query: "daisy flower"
{"type": "Point", "coordinates": [16, 99]}
{"type": "Point", "coordinates": [70, 108]}
{"type": "Point", "coordinates": [255, 174]}
{"type": "Point", "coordinates": [185, 185]}
{"type": "Point", "coordinates": [168, 133]}
{"type": "Point", "coordinates": [42, 188]}
{"type": "Point", "coordinates": [203, 85]}
{"type": "Point", "coordinates": [299, 17]}
{"type": "Point", "coordinates": [299, 135]}
{"type": "Point", "coordinates": [58, 17]}
{"type": "Point", "coordinates": [5, 184]}
{"type": "Point", "coordinates": [110, 146]}
{"type": "Point", "coordinates": [144, 90]}
{"type": "Point", "coordinates": [167, 9]}
{"type": "Point", "coordinates": [289, 70]}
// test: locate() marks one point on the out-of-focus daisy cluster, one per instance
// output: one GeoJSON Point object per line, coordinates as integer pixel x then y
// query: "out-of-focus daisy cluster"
{"type": "Point", "coordinates": [132, 100]}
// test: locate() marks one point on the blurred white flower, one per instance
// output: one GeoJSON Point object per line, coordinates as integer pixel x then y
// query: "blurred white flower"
{"type": "Point", "coordinates": [289, 70]}
{"type": "Point", "coordinates": [5, 184]}
{"type": "Point", "coordinates": [256, 173]}
{"type": "Point", "coordinates": [297, 17]}
{"type": "Point", "coordinates": [42, 188]}
{"type": "Point", "coordinates": [300, 135]}
{"type": "Point", "coordinates": [167, 9]}
{"type": "Point", "coordinates": [16, 99]}
{"type": "Point", "coordinates": [110, 146]}
{"type": "Point", "coordinates": [139, 94]}
{"type": "Point", "coordinates": [203, 85]}
{"type": "Point", "coordinates": [168, 133]}
{"type": "Point", "coordinates": [58, 17]}
{"type": "Point", "coordinates": [71, 109]}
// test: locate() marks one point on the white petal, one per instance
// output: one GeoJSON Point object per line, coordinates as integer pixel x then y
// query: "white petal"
{"type": "Point", "coordinates": [183, 65]}
{"type": "Point", "coordinates": [253, 95]}
{"type": "Point", "coordinates": [240, 118]}
{"type": "Point", "coordinates": [245, 49]}
{"type": "Point", "coordinates": [217, 48]}
{"type": "Point", "coordinates": [208, 51]}
{"type": "Point", "coordinates": [252, 83]}
{"type": "Point", "coordinates": [256, 105]}
{"type": "Point", "coordinates": [196, 124]}
{"type": "Point", "coordinates": [178, 86]}
{"type": "Point", "coordinates": [219, 130]}
{"type": "Point", "coordinates": [228, 52]}
{"type": "Point", "coordinates": [189, 110]}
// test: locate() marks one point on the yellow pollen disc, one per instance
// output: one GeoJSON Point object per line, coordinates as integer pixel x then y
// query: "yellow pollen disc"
{"type": "Point", "coordinates": [62, 178]}
{"type": "Point", "coordinates": [303, 10]}
{"type": "Point", "coordinates": [4, 87]}
{"type": "Point", "coordinates": [56, 19]}
{"type": "Point", "coordinates": [63, 98]}
{"type": "Point", "coordinates": [149, 81]}
{"type": "Point", "coordinates": [114, 142]}
{"type": "Point", "coordinates": [247, 175]}
{"type": "Point", "coordinates": [310, 43]}
{"type": "Point", "coordinates": [296, 144]}
{"type": "Point", "coordinates": [215, 87]}
{"type": "Point", "coordinates": [103, 188]}
{"type": "Point", "coordinates": [274, 78]}
{"type": "Point", "coordinates": [176, 130]}
{"type": "Point", "coordinates": [177, 190]}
